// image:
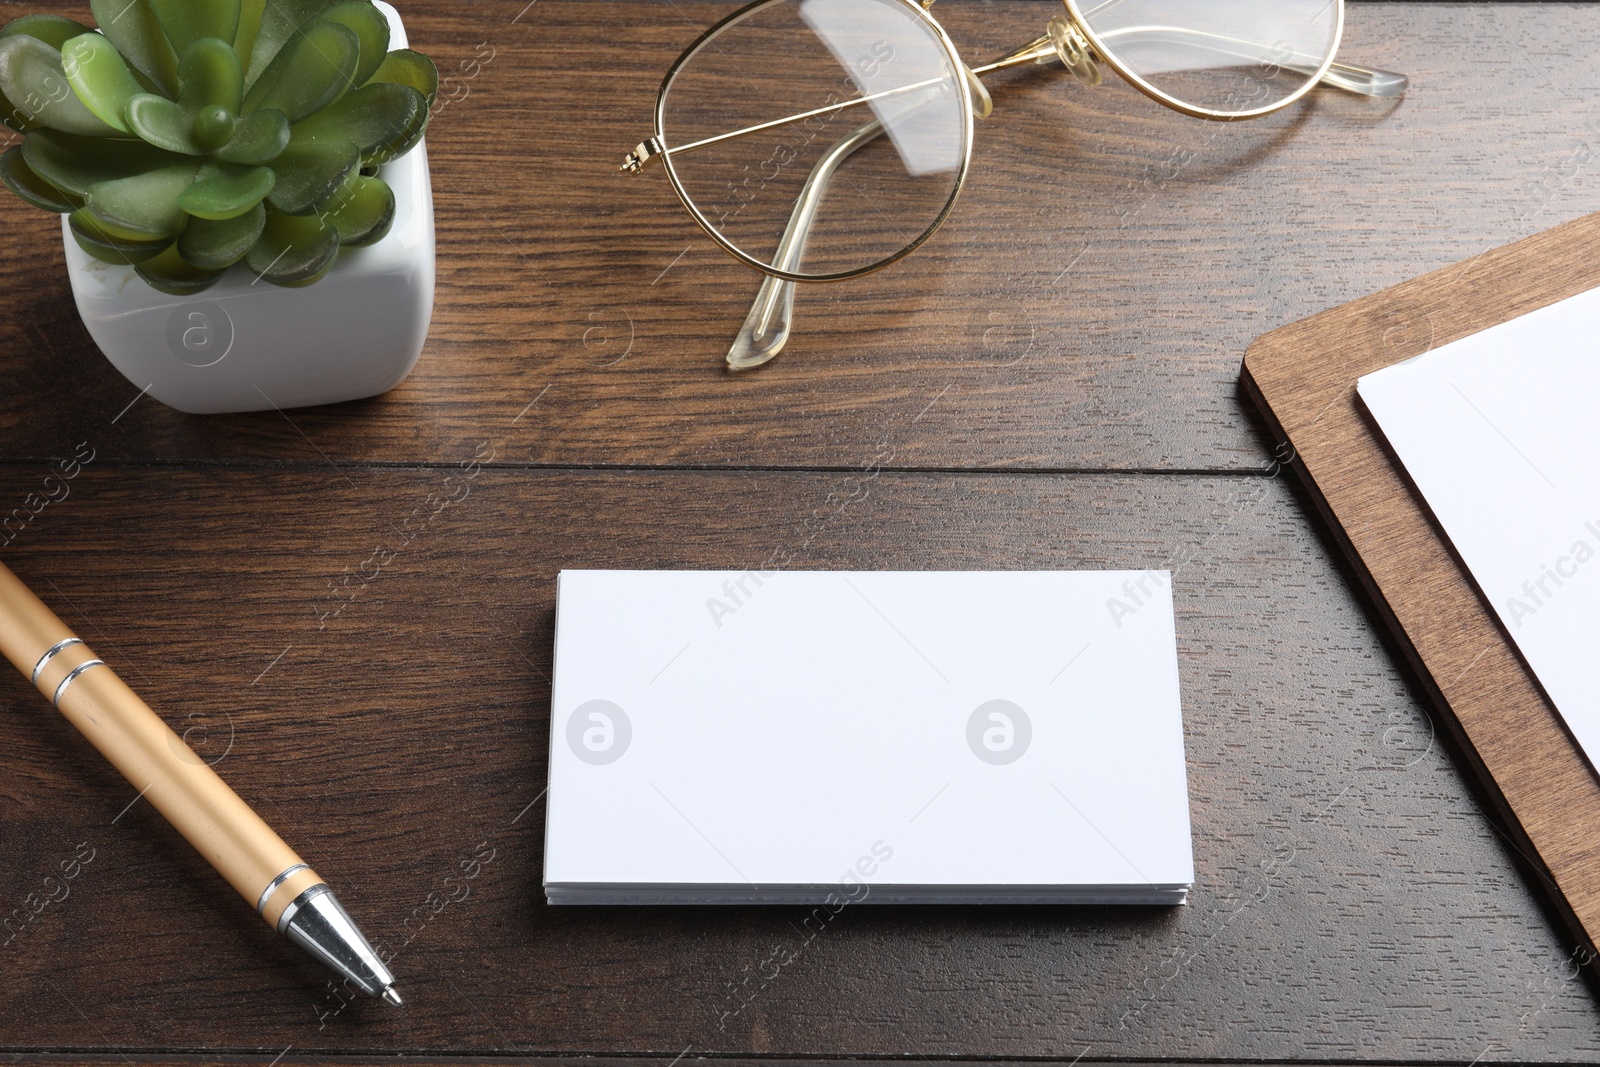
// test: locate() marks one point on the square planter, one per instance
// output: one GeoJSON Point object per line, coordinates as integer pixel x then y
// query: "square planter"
{"type": "Point", "coordinates": [248, 345]}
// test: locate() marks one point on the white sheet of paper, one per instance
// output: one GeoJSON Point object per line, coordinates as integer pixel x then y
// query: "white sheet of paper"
{"type": "Point", "coordinates": [813, 728]}
{"type": "Point", "coordinates": [1497, 431]}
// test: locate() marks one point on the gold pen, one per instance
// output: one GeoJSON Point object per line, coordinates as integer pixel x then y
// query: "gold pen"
{"type": "Point", "coordinates": [269, 874]}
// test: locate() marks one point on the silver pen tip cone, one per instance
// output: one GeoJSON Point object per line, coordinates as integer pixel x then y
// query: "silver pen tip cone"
{"type": "Point", "coordinates": [392, 997]}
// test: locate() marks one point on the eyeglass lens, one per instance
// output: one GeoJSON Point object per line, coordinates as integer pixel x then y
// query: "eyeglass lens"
{"type": "Point", "coordinates": [1227, 56]}
{"type": "Point", "coordinates": [873, 176]}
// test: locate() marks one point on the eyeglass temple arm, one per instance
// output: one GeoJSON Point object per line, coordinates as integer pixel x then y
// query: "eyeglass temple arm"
{"type": "Point", "coordinates": [1366, 81]}
{"type": "Point", "coordinates": [649, 149]}
{"type": "Point", "coordinates": [766, 329]}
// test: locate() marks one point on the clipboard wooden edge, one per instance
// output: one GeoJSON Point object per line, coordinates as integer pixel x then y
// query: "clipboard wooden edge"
{"type": "Point", "coordinates": [1302, 379]}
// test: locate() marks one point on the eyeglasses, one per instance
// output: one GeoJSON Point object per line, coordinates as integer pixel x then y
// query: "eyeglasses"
{"type": "Point", "coordinates": [754, 125]}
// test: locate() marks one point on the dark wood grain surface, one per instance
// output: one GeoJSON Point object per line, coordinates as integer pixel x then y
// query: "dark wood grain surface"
{"type": "Point", "coordinates": [1085, 307]}
{"type": "Point", "coordinates": [1351, 901]}
{"type": "Point", "coordinates": [1079, 323]}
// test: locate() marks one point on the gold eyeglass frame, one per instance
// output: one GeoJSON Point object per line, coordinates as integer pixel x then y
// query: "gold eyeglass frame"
{"type": "Point", "coordinates": [655, 147]}
{"type": "Point", "coordinates": [1068, 40]}
{"type": "Point", "coordinates": [1075, 45]}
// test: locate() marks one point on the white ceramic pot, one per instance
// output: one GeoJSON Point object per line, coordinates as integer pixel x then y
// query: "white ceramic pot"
{"type": "Point", "coordinates": [244, 345]}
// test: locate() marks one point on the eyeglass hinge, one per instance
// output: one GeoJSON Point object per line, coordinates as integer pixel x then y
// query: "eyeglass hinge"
{"type": "Point", "coordinates": [642, 154]}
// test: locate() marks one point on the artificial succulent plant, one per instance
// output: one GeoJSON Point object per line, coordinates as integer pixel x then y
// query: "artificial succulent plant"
{"type": "Point", "coordinates": [184, 136]}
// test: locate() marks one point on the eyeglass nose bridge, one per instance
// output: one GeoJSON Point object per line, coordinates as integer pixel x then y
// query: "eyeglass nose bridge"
{"type": "Point", "coordinates": [1074, 51]}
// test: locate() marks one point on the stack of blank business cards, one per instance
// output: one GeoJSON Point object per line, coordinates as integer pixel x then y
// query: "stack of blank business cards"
{"type": "Point", "coordinates": [893, 737]}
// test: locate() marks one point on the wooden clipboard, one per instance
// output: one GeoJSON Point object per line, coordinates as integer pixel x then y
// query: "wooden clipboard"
{"type": "Point", "coordinates": [1302, 377]}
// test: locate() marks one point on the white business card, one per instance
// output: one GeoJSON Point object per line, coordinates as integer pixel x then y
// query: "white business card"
{"type": "Point", "coordinates": [927, 736]}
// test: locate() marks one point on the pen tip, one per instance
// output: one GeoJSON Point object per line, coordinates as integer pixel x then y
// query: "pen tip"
{"type": "Point", "coordinates": [392, 997]}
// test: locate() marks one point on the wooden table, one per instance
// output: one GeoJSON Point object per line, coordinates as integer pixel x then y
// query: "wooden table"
{"type": "Point", "coordinates": [1051, 382]}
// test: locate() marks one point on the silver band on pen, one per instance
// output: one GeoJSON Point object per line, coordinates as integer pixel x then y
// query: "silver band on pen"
{"type": "Point", "coordinates": [50, 654]}
{"type": "Point", "coordinates": [79, 669]}
{"type": "Point", "coordinates": [288, 872]}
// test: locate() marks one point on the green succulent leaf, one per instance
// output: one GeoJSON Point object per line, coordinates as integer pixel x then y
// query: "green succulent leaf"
{"type": "Point", "coordinates": [53, 30]}
{"type": "Point", "coordinates": [188, 21]}
{"type": "Point", "coordinates": [293, 249]}
{"type": "Point", "coordinates": [371, 116]}
{"type": "Point", "coordinates": [32, 79]}
{"type": "Point", "coordinates": [73, 164]}
{"type": "Point", "coordinates": [405, 67]}
{"type": "Point", "coordinates": [312, 72]}
{"type": "Point", "coordinates": [213, 127]}
{"type": "Point", "coordinates": [280, 23]}
{"type": "Point", "coordinates": [399, 145]}
{"type": "Point", "coordinates": [145, 205]}
{"type": "Point", "coordinates": [215, 244]}
{"type": "Point", "coordinates": [309, 173]}
{"type": "Point", "coordinates": [361, 210]}
{"type": "Point", "coordinates": [226, 190]}
{"type": "Point", "coordinates": [13, 118]}
{"type": "Point", "coordinates": [209, 75]}
{"type": "Point", "coordinates": [364, 20]}
{"type": "Point", "coordinates": [163, 123]}
{"type": "Point", "coordinates": [202, 116]}
{"type": "Point", "coordinates": [249, 25]}
{"type": "Point", "coordinates": [169, 273]}
{"type": "Point", "coordinates": [257, 138]}
{"type": "Point", "coordinates": [111, 231]}
{"type": "Point", "coordinates": [100, 78]}
{"type": "Point", "coordinates": [94, 238]}
{"type": "Point", "coordinates": [195, 134]}
{"type": "Point", "coordinates": [132, 26]}
{"type": "Point", "coordinates": [20, 179]}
